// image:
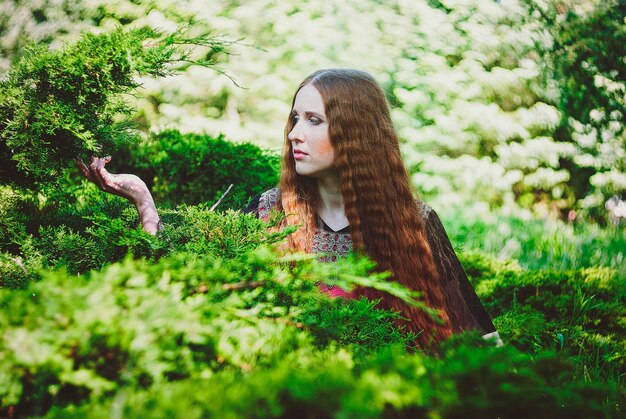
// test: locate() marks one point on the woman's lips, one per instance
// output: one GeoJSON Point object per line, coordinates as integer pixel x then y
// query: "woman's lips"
{"type": "Point", "coordinates": [297, 154]}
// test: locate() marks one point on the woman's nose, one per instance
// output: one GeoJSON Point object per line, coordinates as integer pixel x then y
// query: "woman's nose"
{"type": "Point", "coordinates": [295, 134]}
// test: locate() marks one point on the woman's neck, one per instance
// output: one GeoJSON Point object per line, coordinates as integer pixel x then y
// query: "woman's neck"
{"type": "Point", "coordinates": [331, 207]}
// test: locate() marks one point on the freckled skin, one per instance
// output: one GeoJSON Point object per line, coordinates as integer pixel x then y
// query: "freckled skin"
{"type": "Point", "coordinates": [326, 148]}
{"type": "Point", "coordinates": [310, 134]}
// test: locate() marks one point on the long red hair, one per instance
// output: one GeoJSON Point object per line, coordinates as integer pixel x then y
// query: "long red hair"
{"type": "Point", "coordinates": [379, 203]}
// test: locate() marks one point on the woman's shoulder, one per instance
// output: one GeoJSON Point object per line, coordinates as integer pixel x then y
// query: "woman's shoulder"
{"type": "Point", "coordinates": [424, 210]}
{"type": "Point", "coordinates": [268, 201]}
{"type": "Point", "coordinates": [435, 232]}
{"type": "Point", "coordinates": [262, 204]}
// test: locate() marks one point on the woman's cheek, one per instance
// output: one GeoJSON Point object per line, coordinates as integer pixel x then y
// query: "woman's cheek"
{"type": "Point", "coordinates": [325, 148]}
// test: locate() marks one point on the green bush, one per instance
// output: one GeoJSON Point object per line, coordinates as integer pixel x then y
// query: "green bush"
{"type": "Point", "coordinates": [88, 229]}
{"type": "Point", "coordinates": [59, 105]}
{"type": "Point", "coordinates": [209, 322]}
{"type": "Point", "coordinates": [195, 168]}
{"type": "Point", "coordinates": [541, 243]}
{"type": "Point", "coordinates": [139, 323]}
{"type": "Point", "coordinates": [199, 336]}
{"type": "Point", "coordinates": [469, 380]}
{"type": "Point", "coordinates": [578, 311]}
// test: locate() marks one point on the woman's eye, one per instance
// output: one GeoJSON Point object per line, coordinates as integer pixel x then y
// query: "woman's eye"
{"type": "Point", "coordinates": [295, 118]}
{"type": "Point", "coordinates": [315, 121]}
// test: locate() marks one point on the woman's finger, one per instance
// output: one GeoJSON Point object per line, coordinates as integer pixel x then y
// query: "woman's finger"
{"type": "Point", "coordinates": [84, 170]}
{"type": "Point", "coordinates": [96, 167]}
{"type": "Point", "coordinates": [108, 182]}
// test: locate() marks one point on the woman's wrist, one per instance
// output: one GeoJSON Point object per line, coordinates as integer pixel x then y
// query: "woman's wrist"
{"type": "Point", "coordinates": [127, 186]}
{"type": "Point", "coordinates": [148, 215]}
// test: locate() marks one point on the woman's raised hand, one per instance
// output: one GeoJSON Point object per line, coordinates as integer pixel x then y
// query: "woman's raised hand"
{"type": "Point", "coordinates": [127, 186]}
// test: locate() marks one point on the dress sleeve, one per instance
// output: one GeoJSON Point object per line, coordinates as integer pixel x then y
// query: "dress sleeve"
{"type": "Point", "coordinates": [253, 206]}
{"type": "Point", "coordinates": [262, 205]}
{"type": "Point", "coordinates": [450, 270]}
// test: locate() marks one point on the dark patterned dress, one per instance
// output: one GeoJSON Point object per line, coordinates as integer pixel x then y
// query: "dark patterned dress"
{"type": "Point", "coordinates": [334, 244]}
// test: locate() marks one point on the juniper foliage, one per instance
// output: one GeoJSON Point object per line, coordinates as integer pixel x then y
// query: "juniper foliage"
{"type": "Point", "coordinates": [59, 105]}
{"type": "Point", "coordinates": [197, 168]}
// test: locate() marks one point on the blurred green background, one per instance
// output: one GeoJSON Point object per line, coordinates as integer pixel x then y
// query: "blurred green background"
{"type": "Point", "coordinates": [513, 106]}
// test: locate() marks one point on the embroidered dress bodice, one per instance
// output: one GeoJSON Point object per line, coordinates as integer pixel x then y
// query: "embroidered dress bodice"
{"type": "Point", "coordinates": [330, 245]}
{"type": "Point", "coordinates": [326, 242]}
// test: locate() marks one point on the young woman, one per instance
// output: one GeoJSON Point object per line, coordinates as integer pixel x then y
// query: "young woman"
{"type": "Point", "coordinates": [344, 182]}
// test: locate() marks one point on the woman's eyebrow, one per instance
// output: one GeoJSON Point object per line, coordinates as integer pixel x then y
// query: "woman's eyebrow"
{"type": "Point", "coordinates": [309, 113]}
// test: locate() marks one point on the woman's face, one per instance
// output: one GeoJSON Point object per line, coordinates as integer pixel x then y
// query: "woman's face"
{"type": "Point", "coordinates": [310, 142]}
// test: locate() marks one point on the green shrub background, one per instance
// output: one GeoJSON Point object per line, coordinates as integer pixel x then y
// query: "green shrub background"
{"type": "Point", "coordinates": [193, 169]}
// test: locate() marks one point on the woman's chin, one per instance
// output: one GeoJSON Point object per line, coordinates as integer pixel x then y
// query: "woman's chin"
{"type": "Point", "coordinates": [303, 170]}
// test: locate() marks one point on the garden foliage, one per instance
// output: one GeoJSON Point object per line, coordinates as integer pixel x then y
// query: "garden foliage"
{"type": "Point", "coordinates": [193, 168]}
{"type": "Point", "coordinates": [205, 319]}
{"type": "Point", "coordinates": [59, 105]}
{"type": "Point", "coordinates": [208, 319]}
{"type": "Point", "coordinates": [585, 60]}
{"type": "Point", "coordinates": [514, 104]}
